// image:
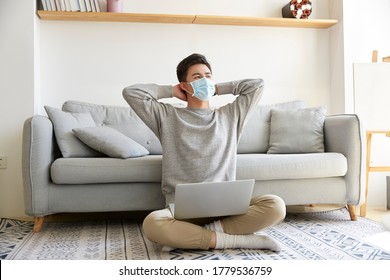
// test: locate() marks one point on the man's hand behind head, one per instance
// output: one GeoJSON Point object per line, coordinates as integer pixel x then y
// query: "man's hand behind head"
{"type": "Point", "coordinates": [179, 93]}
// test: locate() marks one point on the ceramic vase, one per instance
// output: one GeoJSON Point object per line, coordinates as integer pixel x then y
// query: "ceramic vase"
{"type": "Point", "coordinates": [115, 6]}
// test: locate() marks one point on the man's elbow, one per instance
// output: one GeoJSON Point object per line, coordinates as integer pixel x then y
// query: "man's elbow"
{"type": "Point", "coordinates": [128, 94]}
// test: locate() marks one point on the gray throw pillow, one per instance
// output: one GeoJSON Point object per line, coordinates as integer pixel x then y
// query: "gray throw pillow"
{"type": "Point", "coordinates": [110, 142]}
{"type": "Point", "coordinates": [63, 123]}
{"type": "Point", "coordinates": [297, 131]}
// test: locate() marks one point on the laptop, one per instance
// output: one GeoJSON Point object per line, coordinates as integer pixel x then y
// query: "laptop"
{"type": "Point", "coordinates": [212, 199]}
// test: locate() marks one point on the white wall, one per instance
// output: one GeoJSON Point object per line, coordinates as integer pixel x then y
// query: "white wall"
{"type": "Point", "coordinates": [336, 59]}
{"type": "Point", "coordinates": [17, 96]}
{"type": "Point", "coordinates": [93, 61]}
{"type": "Point", "coordinates": [365, 31]}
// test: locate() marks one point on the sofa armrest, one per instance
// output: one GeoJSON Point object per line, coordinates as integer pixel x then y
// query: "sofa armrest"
{"type": "Point", "coordinates": [39, 150]}
{"type": "Point", "coordinates": [343, 134]}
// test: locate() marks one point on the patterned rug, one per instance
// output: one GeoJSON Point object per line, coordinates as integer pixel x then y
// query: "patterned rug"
{"type": "Point", "coordinates": [308, 236]}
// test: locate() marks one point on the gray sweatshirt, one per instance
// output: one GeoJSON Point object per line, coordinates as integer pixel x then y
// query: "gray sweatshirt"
{"type": "Point", "coordinates": [199, 145]}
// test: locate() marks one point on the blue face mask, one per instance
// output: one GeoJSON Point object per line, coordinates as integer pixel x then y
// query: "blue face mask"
{"type": "Point", "coordinates": [203, 88]}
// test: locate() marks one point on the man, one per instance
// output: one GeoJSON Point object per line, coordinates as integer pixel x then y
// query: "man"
{"type": "Point", "coordinates": [200, 145]}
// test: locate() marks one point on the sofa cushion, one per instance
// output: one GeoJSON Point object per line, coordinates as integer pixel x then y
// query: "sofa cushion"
{"type": "Point", "coordinates": [148, 168]}
{"type": "Point", "coordinates": [63, 123]}
{"type": "Point", "coordinates": [106, 170]}
{"type": "Point", "coordinates": [291, 166]}
{"type": "Point", "coordinates": [297, 131]}
{"type": "Point", "coordinates": [110, 142]}
{"type": "Point", "coordinates": [123, 119]}
{"type": "Point", "coordinates": [256, 133]}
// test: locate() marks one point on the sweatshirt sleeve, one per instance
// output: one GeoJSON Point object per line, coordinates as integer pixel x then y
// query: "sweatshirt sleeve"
{"type": "Point", "coordinates": [249, 93]}
{"type": "Point", "coordinates": [143, 99]}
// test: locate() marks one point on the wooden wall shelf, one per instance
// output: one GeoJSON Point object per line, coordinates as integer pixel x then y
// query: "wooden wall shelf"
{"type": "Point", "coordinates": [186, 19]}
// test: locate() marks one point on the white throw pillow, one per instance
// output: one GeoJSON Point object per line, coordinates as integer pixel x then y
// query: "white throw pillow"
{"type": "Point", "coordinates": [63, 123]}
{"type": "Point", "coordinates": [110, 142]}
{"type": "Point", "coordinates": [297, 131]}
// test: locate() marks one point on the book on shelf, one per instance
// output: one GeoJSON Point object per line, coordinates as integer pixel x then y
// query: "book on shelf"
{"type": "Point", "coordinates": [58, 5]}
{"type": "Point", "coordinates": [97, 5]}
{"type": "Point", "coordinates": [88, 6]}
{"type": "Point", "coordinates": [42, 5]}
{"type": "Point", "coordinates": [52, 4]}
{"type": "Point", "coordinates": [70, 5]}
{"type": "Point", "coordinates": [93, 5]}
{"type": "Point", "coordinates": [83, 7]}
{"type": "Point", "coordinates": [74, 5]}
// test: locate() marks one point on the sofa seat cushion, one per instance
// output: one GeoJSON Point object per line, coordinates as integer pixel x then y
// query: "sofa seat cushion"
{"type": "Point", "coordinates": [148, 169]}
{"type": "Point", "coordinates": [106, 170]}
{"type": "Point", "coordinates": [290, 166]}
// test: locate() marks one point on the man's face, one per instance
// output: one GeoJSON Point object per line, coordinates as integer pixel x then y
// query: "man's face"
{"type": "Point", "coordinates": [196, 72]}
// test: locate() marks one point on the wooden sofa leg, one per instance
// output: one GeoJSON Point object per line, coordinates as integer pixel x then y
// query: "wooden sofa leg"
{"type": "Point", "coordinates": [38, 224]}
{"type": "Point", "coordinates": [352, 212]}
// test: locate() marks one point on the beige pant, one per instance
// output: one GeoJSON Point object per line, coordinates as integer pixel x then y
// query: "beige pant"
{"type": "Point", "coordinates": [161, 227]}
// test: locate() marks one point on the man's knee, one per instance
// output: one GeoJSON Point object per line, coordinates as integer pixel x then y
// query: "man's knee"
{"type": "Point", "coordinates": [280, 207]}
{"type": "Point", "coordinates": [273, 204]}
{"type": "Point", "coordinates": [155, 224]}
{"type": "Point", "coordinates": [149, 225]}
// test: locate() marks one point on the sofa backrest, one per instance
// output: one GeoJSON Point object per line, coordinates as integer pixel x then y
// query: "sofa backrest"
{"type": "Point", "coordinates": [123, 119]}
{"type": "Point", "coordinates": [254, 138]}
{"type": "Point", "coordinates": [256, 133]}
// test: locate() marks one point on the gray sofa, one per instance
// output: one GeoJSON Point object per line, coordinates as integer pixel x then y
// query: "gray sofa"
{"type": "Point", "coordinates": [100, 183]}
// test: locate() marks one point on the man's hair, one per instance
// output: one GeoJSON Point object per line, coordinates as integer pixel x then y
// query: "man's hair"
{"type": "Point", "coordinates": [182, 67]}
